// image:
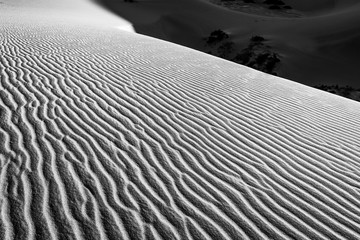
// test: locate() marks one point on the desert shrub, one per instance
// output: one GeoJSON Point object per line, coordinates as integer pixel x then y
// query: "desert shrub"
{"type": "Point", "coordinates": [256, 55]}
{"type": "Point", "coordinates": [348, 88]}
{"type": "Point", "coordinates": [271, 61]}
{"type": "Point", "coordinates": [260, 59]}
{"type": "Point", "coordinates": [252, 64]}
{"type": "Point", "coordinates": [257, 39]}
{"type": "Point", "coordinates": [243, 57]}
{"type": "Point", "coordinates": [249, 1]}
{"type": "Point", "coordinates": [323, 87]}
{"type": "Point", "coordinates": [287, 7]}
{"type": "Point", "coordinates": [347, 91]}
{"type": "Point", "coordinates": [225, 49]}
{"type": "Point", "coordinates": [216, 37]}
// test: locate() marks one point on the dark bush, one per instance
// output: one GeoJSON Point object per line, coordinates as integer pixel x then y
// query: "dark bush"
{"type": "Point", "coordinates": [323, 87]}
{"type": "Point", "coordinates": [287, 7]}
{"type": "Point", "coordinates": [262, 58]}
{"type": "Point", "coordinates": [348, 88]}
{"type": "Point", "coordinates": [243, 57]}
{"type": "Point", "coordinates": [225, 49]}
{"type": "Point", "coordinates": [217, 36]}
{"type": "Point", "coordinates": [249, 1]}
{"type": "Point", "coordinates": [256, 55]}
{"type": "Point", "coordinates": [257, 39]}
{"type": "Point", "coordinates": [272, 60]}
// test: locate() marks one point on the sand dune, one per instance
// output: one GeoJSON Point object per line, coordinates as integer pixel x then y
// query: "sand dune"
{"type": "Point", "coordinates": [107, 134]}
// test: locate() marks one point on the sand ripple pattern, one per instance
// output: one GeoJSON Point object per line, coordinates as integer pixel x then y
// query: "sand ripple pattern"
{"type": "Point", "coordinates": [111, 135]}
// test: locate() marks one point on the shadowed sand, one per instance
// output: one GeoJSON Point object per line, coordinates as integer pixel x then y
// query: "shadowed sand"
{"type": "Point", "coordinates": [106, 134]}
{"type": "Point", "coordinates": [320, 47]}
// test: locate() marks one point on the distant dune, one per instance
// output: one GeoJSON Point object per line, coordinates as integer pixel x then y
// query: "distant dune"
{"type": "Point", "coordinates": [320, 45]}
{"type": "Point", "coordinates": [107, 134]}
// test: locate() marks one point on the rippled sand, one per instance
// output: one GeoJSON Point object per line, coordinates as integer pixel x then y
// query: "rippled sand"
{"type": "Point", "coordinates": [107, 134]}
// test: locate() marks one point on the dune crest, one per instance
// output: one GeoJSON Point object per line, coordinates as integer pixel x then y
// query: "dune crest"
{"type": "Point", "coordinates": [107, 134]}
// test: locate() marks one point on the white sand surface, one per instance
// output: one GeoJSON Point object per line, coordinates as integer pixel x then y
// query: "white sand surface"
{"type": "Point", "coordinates": [106, 134]}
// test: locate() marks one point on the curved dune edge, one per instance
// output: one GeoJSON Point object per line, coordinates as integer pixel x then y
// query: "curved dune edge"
{"type": "Point", "coordinates": [128, 137]}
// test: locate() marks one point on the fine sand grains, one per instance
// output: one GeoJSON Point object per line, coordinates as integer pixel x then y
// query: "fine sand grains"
{"type": "Point", "coordinates": [110, 135]}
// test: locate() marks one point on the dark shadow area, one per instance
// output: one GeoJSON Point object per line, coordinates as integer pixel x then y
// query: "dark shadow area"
{"type": "Point", "coordinates": [308, 50]}
{"type": "Point", "coordinates": [138, 13]}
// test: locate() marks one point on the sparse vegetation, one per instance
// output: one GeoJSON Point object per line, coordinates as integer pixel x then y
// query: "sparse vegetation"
{"type": "Point", "coordinates": [256, 55]}
{"type": "Point", "coordinates": [216, 37]}
{"type": "Point", "coordinates": [257, 39]}
{"type": "Point", "coordinates": [225, 49]}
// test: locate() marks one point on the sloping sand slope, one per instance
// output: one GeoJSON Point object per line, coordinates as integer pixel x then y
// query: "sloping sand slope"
{"type": "Point", "coordinates": [111, 135]}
